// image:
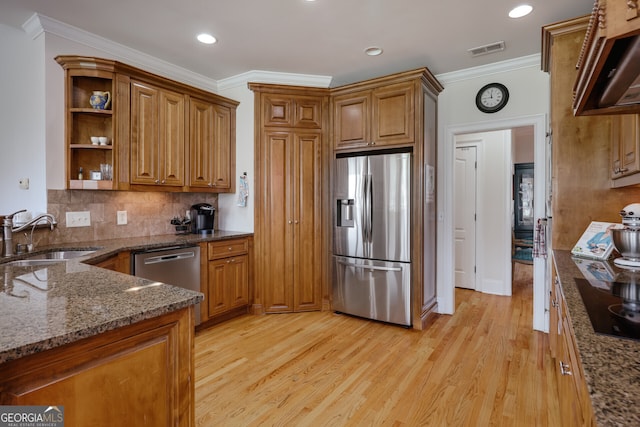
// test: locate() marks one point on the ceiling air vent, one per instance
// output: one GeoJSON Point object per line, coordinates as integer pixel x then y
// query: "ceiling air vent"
{"type": "Point", "coordinates": [487, 49]}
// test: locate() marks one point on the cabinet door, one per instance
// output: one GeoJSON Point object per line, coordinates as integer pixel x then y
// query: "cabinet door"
{"type": "Point", "coordinates": [307, 250]}
{"type": "Point", "coordinates": [239, 281]}
{"type": "Point", "coordinates": [145, 131]}
{"type": "Point", "coordinates": [228, 284]}
{"type": "Point", "coordinates": [200, 144]}
{"type": "Point", "coordinates": [277, 223]}
{"type": "Point", "coordinates": [393, 114]}
{"type": "Point", "coordinates": [172, 136]}
{"type": "Point", "coordinates": [157, 136]}
{"type": "Point", "coordinates": [625, 145]}
{"type": "Point", "coordinates": [352, 116]}
{"type": "Point", "coordinates": [221, 174]}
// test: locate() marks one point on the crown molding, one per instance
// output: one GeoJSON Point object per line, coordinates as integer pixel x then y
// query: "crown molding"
{"type": "Point", "coordinates": [258, 76]}
{"type": "Point", "coordinates": [40, 24]}
{"type": "Point", "coordinates": [493, 68]}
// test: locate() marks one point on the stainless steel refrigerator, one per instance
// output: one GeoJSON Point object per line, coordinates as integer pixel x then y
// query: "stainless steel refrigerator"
{"type": "Point", "coordinates": [372, 237]}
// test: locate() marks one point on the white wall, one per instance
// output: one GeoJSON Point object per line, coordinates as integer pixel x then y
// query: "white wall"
{"type": "Point", "coordinates": [457, 114]}
{"type": "Point", "coordinates": [233, 217]}
{"type": "Point", "coordinates": [22, 116]}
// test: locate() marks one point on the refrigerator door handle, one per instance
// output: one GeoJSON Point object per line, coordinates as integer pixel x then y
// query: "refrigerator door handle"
{"type": "Point", "coordinates": [369, 267]}
{"type": "Point", "coordinates": [368, 194]}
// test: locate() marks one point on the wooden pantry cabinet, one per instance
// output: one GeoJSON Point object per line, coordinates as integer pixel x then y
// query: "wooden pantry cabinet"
{"type": "Point", "coordinates": [163, 135]}
{"type": "Point", "coordinates": [292, 211]}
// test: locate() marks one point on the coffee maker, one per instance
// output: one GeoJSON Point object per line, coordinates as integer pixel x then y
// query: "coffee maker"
{"type": "Point", "coordinates": [202, 216]}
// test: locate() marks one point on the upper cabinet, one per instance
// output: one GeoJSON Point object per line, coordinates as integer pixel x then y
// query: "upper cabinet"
{"type": "Point", "coordinates": [159, 134]}
{"type": "Point", "coordinates": [625, 150]}
{"type": "Point", "coordinates": [210, 145]}
{"type": "Point", "coordinates": [91, 113]}
{"type": "Point", "coordinates": [374, 117]}
{"type": "Point", "coordinates": [608, 80]}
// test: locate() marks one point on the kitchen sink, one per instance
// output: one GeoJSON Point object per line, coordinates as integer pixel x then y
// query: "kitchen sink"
{"type": "Point", "coordinates": [52, 257]}
{"type": "Point", "coordinates": [60, 255]}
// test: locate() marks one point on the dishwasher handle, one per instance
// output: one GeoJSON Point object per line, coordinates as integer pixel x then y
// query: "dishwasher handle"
{"type": "Point", "coordinates": [168, 258]}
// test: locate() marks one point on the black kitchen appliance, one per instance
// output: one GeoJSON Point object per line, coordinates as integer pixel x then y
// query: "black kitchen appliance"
{"type": "Point", "coordinates": [202, 216]}
{"type": "Point", "coordinates": [614, 311]}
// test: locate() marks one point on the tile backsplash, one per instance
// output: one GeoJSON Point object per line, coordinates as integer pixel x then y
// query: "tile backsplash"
{"type": "Point", "coordinates": [148, 214]}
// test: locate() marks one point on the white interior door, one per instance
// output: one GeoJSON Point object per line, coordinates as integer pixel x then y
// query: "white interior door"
{"type": "Point", "coordinates": [465, 217]}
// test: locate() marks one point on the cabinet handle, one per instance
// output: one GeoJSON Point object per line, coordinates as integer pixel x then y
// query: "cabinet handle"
{"type": "Point", "coordinates": [210, 184]}
{"type": "Point", "coordinates": [296, 221]}
{"type": "Point", "coordinates": [157, 181]}
{"type": "Point", "coordinates": [564, 369]}
{"type": "Point", "coordinates": [228, 261]}
{"type": "Point", "coordinates": [290, 222]}
{"type": "Point", "coordinates": [230, 248]}
{"type": "Point", "coordinates": [163, 181]}
{"type": "Point", "coordinates": [371, 143]}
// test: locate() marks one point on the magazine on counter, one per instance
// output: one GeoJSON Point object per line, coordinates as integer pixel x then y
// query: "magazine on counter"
{"type": "Point", "coordinates": [596, 241]}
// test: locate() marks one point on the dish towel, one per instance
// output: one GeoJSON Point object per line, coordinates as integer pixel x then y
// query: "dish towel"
{"type": "Point", "coordinates": [243, 193]}
{"type": "Point", "coordinates": [540, 240]}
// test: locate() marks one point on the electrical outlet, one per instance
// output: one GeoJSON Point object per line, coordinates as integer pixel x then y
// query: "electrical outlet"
{"type": "Point", "coordinates": [121, 218]}
{"type": "Point", "coordinates": [24, 183]}
{"type": "Point", "coordinates": [78, 219]}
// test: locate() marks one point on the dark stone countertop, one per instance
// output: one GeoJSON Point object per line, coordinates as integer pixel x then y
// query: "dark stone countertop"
{"type": "Point", "coordinates": [611, 365]}
{"type": "Point", "coordinates": [45, 306]}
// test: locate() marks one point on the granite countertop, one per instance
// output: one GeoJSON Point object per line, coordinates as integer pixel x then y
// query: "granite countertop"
{"type": "Point", "coordinates": [46, 306]}
{"type": "Point", "coordinates": [611, 365]}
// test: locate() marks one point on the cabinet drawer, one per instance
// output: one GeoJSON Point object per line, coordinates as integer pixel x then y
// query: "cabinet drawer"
{"type": "Point", "coordinates": [228, 248]}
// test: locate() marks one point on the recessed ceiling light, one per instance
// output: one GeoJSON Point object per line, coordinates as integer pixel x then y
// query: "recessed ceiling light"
{"type": "Point", "coordinates": [373, 51]}
{"type": "Point", "coordinates": [206, 38]}
{"type": "Point", "coordinates": [520, 11]}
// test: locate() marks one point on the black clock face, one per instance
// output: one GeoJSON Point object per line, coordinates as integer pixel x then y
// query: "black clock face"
{"type": "Point", "coordinates": [492, 97]}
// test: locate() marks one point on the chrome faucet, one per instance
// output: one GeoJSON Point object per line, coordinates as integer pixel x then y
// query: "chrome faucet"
{"type": "Point", "coordinates": [8, 229]}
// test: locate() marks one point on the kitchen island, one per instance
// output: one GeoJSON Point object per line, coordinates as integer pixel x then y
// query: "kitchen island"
{"type": "Point", "coordinates": [102, 344]}
{"type": "Point", "coordinates": [610, 364]}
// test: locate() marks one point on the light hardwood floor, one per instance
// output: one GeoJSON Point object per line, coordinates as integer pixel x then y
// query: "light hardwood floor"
{"type": "Point", "coordinates": [482, 366]}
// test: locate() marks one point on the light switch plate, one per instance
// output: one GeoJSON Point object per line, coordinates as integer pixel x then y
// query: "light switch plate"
{"type": "Point", "coordinates": [78, 219]}
{"type": "Point", "coordinates": [23, 183]}
{"type": "Point", "coordinates": [121, 218]}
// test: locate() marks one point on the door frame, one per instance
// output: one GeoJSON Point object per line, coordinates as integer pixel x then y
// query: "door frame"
{"type": "Point", "coordinates": [446, 252]}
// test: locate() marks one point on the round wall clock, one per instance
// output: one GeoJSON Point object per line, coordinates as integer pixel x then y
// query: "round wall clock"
{"type": "Point", "coordinates": [492, 97]}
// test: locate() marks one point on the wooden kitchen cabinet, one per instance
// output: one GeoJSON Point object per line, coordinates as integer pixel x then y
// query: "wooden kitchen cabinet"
{"type": "Point", "coordinates": [164, 135]}
{"type": "Point", "coordinates": [575, 402]}
{"type": "Point", "coordinates": [137, 375]}
{"type": "Point", "coordinates": [211, 146]}
{"type": "Point", "coordinates": [291, 198]}
{"type": "Point", "coordinates": [157, 136]}
{"type": "Point", "coordinates": [83, 76]}
{"type": "Point", "coordinates": [120, 262]}
{"type": "Point", "coordinates": [625, 150]}
{"type": "Point", "coordinates": [228, 277]}
{"type": "Point", "coordinates": [377, 117]}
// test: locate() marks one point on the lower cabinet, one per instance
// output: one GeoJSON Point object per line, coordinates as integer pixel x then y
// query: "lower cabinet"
{"type": "Point", "coordinates": [120, 263]}
{"type": "Point", "coordinates": [227, 289]}
{"type": "Point", "coordinates": [574, 400]}
{"type": "Point", "coordinates": [136, 375]}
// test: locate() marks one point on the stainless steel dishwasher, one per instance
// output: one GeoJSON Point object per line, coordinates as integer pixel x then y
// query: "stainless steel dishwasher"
{"type": "Point", "coordinates": [175, 265]}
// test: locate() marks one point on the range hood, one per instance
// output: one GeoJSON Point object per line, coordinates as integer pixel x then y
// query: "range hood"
{"type": "Point", "coordinates": [608, 79]}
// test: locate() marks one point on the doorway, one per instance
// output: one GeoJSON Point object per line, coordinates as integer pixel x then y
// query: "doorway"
{"type": "Point", "coordinates": [446, 246]}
